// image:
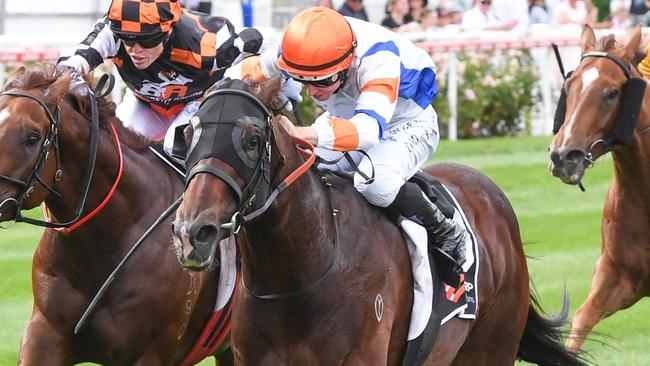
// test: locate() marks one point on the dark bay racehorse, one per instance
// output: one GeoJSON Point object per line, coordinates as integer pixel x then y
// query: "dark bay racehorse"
{"type": "Point", "coordinates": [310, 287]}
{"type": "Point", "coordinates": [604, 95]}
{"type": "Point", "coordinates": [154, 311]}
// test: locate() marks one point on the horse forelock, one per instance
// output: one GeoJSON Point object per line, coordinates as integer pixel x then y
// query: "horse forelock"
{"type": "Point", "coordinates": [266, 91]}
{"type": "Point", "coordinates": [606, 43]}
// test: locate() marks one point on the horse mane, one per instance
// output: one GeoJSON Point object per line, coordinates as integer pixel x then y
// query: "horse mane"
{"type": "Point", "coordinates": [42, 77]}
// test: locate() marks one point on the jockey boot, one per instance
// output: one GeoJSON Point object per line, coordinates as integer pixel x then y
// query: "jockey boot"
{"type": "Point", "coordinates": [446, 236]}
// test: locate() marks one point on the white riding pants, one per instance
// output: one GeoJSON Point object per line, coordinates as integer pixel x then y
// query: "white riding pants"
{"type": "Point", "coordinates": [139, 117]}
{"type": "Point", "coordinates": [404, 148]}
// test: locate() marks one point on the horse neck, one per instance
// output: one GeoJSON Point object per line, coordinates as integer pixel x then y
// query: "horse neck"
{"type": "Point", "coordinates": [131, 198]}
{"type": "Point", "coordinates": [292, 244]}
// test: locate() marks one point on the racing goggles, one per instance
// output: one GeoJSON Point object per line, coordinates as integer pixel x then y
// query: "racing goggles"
{"type": "Point", "coordinates": [144, 42]}
{"type": "Point", "coordinates": [320, 83]}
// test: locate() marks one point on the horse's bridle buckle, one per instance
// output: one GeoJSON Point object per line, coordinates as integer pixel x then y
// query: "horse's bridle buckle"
{"type": "Point", "coordinates": [235, 224]}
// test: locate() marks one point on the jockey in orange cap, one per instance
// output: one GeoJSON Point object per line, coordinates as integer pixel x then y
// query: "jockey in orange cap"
{"type": "Point", "coordinates": [167, 56]}
{"type": "Point", "coordinates": [377, 89]}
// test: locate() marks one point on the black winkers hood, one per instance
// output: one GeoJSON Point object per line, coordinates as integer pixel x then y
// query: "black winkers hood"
{"type": "Point", "coordinates": [219, 123]}
{"type": "Point", "coordinates": [218, 126]}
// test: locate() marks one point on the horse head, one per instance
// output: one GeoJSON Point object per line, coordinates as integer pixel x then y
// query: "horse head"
{"type": "Point", "coordinates": [231, 167]}
{"type": "Point", "coordinates": [600, 104]}
{"type": "Point", "coordinates": [29, 118]}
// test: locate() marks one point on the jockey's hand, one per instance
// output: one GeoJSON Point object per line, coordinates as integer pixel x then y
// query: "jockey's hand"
{"type": "Point", "coordinates": [77, 81]}
{"type": "Point", "coordinates": [307, 133]}
{"type": "Point", "coordinates": [290, 90]}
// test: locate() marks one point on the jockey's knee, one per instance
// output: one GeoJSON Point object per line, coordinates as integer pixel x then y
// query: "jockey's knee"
{"type": "Point", "coordinates": [382, 190]}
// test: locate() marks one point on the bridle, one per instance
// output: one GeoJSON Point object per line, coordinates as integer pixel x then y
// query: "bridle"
{"type": "Point", "coordinates": [631, 101]}
{"type": "Point", "coordinates": [243, 215]}
{"type": "Point", "coordinates": [615, 139]}
{"type": "Point", "coordinates": [52, 140]}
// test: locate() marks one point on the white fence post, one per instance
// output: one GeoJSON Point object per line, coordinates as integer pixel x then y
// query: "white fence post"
{"type": "Point", "coordinates": [452, 96]}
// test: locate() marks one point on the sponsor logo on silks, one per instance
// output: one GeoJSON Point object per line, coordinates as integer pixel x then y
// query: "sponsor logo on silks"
{"type": "Point", "coordinates": [172, 87]}
{"type": "Point", "coordinates": [453, 294]}
{"type": "Point", "coordinates": [191, 108]}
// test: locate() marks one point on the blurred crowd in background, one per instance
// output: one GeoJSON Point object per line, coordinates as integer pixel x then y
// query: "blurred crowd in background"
{"type": "Point", "coordinates": [424, 16]}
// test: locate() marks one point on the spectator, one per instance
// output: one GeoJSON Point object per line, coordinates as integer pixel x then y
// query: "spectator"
{"type": "Point", "coordinates": [444, 18]}
{"type": "Point", "coordinates": [480, 18]}
{"type": "Point", "coordinates": [450, 14]}
{"type": "Point", "coordinates": [397, 15]}
{"type": "Point", "coordinates": [638, 12]}
{"type": "Point", "coordinates": [325, 3]}
{"type": "Point", "coordinates": [508, 10]}
{"type": "Point", "coordinates": [620, 14]}
{"type": "Point", "coordinates": [429, 20]}
{"type": "Point", "coordinates": [354, 9]}
{"type": "Point", "coordinates": [592, 12]}
{"type": "Point", "coordinates": [570, 12]}
{"type": "Point", "coordinates": [416, 8]}
{"type": "Point", "coordinates": [537, 12]}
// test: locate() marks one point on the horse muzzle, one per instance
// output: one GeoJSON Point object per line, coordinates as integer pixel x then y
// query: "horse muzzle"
{"type": "Point", "coordinates": [568, 164]}
{"type": "Point", "coordinates": [196, 243]}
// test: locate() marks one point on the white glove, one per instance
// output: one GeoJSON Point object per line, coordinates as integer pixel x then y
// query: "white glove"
{"type": "Point", "coordinates": [290, 90]}
{"type": "Point", "coordinates": [77, 82]}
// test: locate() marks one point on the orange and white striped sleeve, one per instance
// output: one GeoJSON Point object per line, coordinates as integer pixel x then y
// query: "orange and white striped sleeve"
{"type": "Point", "coordinates": [379, 81]}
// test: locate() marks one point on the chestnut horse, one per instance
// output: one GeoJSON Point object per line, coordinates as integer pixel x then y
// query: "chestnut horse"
{"type": "Point", "coordinates": [155, 310]}
{"type": "Point", "coordinates": [317, 257]}
{"type": "Point", "coordinates": [607, 110]}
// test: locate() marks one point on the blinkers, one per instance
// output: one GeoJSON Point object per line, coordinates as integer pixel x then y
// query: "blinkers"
{"type": "Point", "coordinates": [631, 100]}
{"type": "Point", "coordinates": [233, 125]}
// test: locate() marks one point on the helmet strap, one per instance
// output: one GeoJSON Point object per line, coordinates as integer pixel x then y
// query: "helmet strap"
{"type": "Point", "coordinates": [343, 77]}
{"type": "Point", "coordinates": [166, 39]}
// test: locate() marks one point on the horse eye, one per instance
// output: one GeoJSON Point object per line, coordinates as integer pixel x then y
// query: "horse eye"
{"type": "Point", "coordinates": [613, 94]}
{"type": "Point", "coordinates": [32, 139]}
{"type": "Point", "coordinates": [254, 142]}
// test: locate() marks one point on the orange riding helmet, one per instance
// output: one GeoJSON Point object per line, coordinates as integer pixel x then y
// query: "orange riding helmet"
{"type": "Point", "coordinates": [143, 18]}
{"type": "Point", "coordinates": [317, 44]}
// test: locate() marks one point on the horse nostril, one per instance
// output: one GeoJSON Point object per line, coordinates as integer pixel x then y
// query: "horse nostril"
{"type": "Point", "coordinates": [555, 157]}
{"type": "Point", "coordinates": [206, 234]}
{"type": "Point", "coordinates": [575, 156]}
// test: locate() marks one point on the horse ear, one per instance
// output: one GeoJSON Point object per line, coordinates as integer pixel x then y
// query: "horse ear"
{"type": "Point", "coordinates": [587, 39]}
{"type": "Point", "coordinates": [632, 44]}
{"type": "Point", "coordinates": [59, 87]}
{"type": "Point", "coordinates": [13, 78]}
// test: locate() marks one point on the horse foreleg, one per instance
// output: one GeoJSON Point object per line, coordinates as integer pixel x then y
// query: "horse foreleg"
{"type": "Point", "coordinates": [611, 290]}
{"type": "Point", "coordinates": [43, 344]}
